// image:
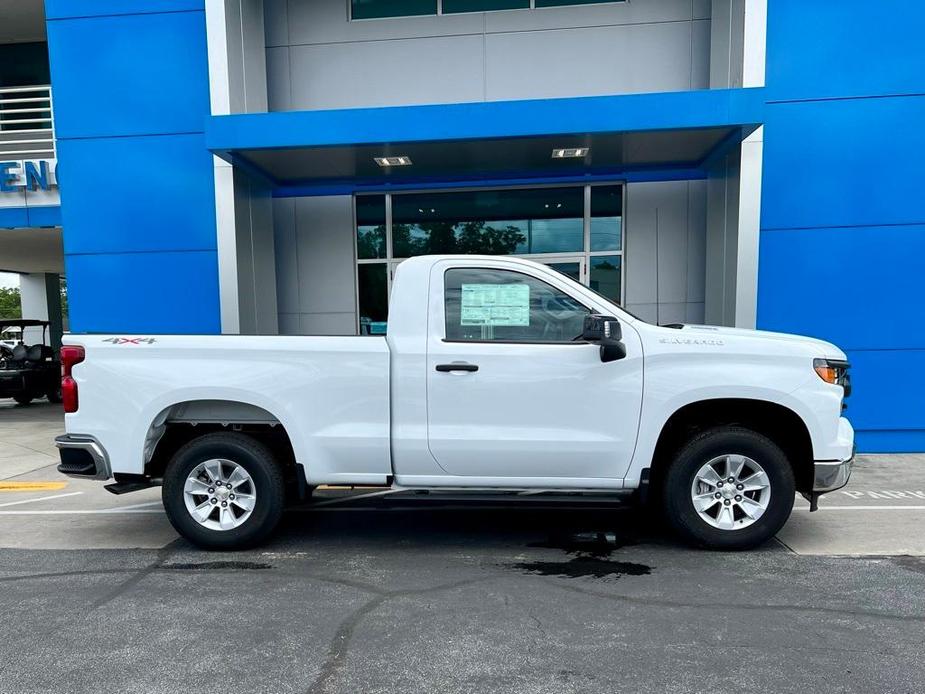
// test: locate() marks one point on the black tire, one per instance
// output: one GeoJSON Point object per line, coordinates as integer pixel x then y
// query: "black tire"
{"type": "Point", "coordinates": [267, 478]}
{"type": "Point", "coordinates": [54, 395]}
{"type": "Point", "coordinates": [23, 399]}
{"type": "Point", "coordinates": [679, 505]}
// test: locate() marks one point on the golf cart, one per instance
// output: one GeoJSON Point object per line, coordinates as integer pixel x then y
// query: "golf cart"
{"type": "Point", "coordinates": [28, 372]}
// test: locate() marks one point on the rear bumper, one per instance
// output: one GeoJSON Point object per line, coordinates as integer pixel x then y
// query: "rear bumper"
{"type": "Point", "coordinates": [83, 457]}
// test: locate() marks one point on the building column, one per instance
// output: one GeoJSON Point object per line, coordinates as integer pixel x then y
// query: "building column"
{"type": "Point", "coordinates": [40, 295]}
{"type": "Point", "coordinates": [243, 205]}
{"type": "Point", "coordinates": [737, 59]}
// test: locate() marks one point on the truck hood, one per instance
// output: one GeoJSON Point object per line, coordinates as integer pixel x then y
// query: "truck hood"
{"type": "Point", "coordinates": [824, 349]}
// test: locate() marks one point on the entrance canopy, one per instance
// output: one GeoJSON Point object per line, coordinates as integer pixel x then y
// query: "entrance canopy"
{"type": "Point", "coordinates": [31, 250]}
{"type": "Point", "coordinates": [637, 137]}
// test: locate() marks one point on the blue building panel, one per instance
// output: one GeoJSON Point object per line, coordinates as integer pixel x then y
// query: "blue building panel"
{"type": "Point", "coordinates": [890, 441]}
{"type": "Point", "coordinates": [149, 293]}
{"type": "Point", "coordinates": [153, 193]}
{"type": "Point", "coordinates": [131, 98]}
{"type": "Point", "coordinates": [853, 162]}
{"type": "Point", "coordinates": [129, 75]}
{"type": "Point", "coordinates": [881, 403]}
{"type": "Point", "coordinates": [847, 48]}
{"type": "Point", "coordinates": [887, 414]}
{"type": "Point", "coordinates": [843, 217]}
{"type": "Point", "coordinates": [44, 216]}
{"type": "Point", "coordinates": [69, 9]}
{"type": "Point", "coordinates": [860, 288]}
{"type": "Point", "coordinates": [25, 217]}
{"type": "Point", "coordinates": [491, 119]}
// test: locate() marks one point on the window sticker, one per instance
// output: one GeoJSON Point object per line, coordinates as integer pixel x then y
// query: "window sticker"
{"type": "Point", "coordinates": [495, 304]}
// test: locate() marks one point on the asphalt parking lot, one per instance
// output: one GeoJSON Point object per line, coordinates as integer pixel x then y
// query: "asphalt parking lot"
{"type": "Point", "coordinates": [409, 593]}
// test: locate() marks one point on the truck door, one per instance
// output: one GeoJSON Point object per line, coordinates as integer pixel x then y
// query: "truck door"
{"type": "Point", "coordinates": [513, 392]}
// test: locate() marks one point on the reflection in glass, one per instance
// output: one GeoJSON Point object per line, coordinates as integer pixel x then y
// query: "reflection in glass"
{"type": "Point", "coordinates": [606, 218]}
{"type": "Point", "coordinates": [453, 6]}
{"type": "Point", "coordinates": [569, 269]}
{"type": "Point", "coordinates": [493, 222]}
{"type": "Point", "coordinates": [604, 276]}
{"type": "Point", "coordinates": [375, 9]}
{"type": "Point", "coordinates": [561, 3]}
{"type": "Point", "coordinates": [372, 284]}
{"type": "Point", "coordinates": [370, 226]}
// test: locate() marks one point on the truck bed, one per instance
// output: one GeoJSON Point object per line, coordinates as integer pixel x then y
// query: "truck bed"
{"type": "Point", "coordinates": [330, 393]}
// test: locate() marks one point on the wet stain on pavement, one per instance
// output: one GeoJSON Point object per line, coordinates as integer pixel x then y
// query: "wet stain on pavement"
{"type": "Point", "coordinates": [219, 565]}
{"type": "Point", "coordinates": [578, 567]}
{"type": "Point", "coordinates": [911, 563]}
{"type": "Point", "coordinates": [591, 552]}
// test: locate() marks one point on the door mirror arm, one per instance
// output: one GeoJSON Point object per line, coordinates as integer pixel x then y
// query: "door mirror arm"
{"type": "Point", "coordinates": [606, 332]}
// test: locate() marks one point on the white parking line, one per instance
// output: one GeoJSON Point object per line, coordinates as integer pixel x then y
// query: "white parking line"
{"type": "Point", "coordinates": [41, 498]}
{"type": "Point", "coordinates": [100, 511]}
{"type": "Point", "coordinates": [134, 506]}
{"type": "Point", "coordinates": [863, 508]}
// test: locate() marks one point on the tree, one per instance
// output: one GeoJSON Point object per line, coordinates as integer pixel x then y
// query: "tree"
{"type": "Point", "coordinates": [10, 304]}
{"type": "Point", "coordinates": [64, 306]}
{"type": "Point", "coordinates": [453, 238]}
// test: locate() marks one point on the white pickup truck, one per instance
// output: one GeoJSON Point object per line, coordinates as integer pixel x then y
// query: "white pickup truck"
{"type": "Point", "coordinates": [496, 374]}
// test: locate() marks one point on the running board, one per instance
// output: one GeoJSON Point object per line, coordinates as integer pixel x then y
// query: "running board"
{"type": "Point", "coordinates": [397, 495]}
{"type": "Point", "coordinates": [131, 483]}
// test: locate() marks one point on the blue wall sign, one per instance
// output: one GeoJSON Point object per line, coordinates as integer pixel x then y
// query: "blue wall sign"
{"type": "Point", "coordinates": [29, 174]}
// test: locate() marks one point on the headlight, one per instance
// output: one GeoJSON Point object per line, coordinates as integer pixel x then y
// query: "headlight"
{"type": "Point", "coordinates": [834, 371]}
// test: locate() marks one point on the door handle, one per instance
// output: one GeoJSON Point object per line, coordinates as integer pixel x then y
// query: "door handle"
{"type": "Point", "coordinates": [457, 366]}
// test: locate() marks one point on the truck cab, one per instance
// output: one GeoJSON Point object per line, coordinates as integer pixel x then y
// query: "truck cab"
{"type": "Point", "coordinates": [496, 373]}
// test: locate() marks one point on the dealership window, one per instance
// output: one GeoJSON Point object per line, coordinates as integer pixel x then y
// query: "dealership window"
{"type": "Point", "coordinates": [454, 6]}
{"type": "Point", "coordinates": [564, 3]}
{"type": "Point", "coordinates": [493, 222]}
{"type": "Point", "coordinates": [490, 304]}
{"type": "Point", "coordinates": [383, 9]}
{"type": "Point", "coordinates": [576, 230]}
{"type": "Point", "coordinates": [370, 217]}
{"type": "Point", "coordinates": [379, 9]}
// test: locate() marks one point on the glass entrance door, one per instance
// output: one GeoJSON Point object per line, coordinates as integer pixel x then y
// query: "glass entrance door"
{"type": "Point", "coordinates": [575, 229]}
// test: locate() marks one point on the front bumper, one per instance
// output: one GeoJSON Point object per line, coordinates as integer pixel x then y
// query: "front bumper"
{"type": "Point", "coordinates": [831, 475]}
{"type": "Point", "coordinates": [83, 457]}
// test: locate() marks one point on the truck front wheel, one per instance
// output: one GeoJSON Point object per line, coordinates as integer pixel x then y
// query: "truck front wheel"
{"type": "Point", "coordinates": [224, 491]}
{"type": "Point", "coordinates": [729, 488]}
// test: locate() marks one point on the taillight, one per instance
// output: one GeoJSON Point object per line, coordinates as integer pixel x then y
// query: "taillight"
{"type": "Point", "coordinates": [70, 355]}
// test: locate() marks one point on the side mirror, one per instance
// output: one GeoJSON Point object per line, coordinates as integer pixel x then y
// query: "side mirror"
{"type": "Point", "coordinates": [606, 332]}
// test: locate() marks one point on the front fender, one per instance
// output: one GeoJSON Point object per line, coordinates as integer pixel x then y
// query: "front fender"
{"type": "Point", "coordinates": [712, 379]}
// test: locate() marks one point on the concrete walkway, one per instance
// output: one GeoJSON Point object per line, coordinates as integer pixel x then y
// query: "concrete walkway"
{"type": "Point", "coordinates": [27, 437]}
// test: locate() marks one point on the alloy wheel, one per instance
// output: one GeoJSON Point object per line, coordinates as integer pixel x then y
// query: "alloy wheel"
{"type": "Point", "coordinates": [219, 494]}
{"type": "Point", "coordinates": [731, 492]}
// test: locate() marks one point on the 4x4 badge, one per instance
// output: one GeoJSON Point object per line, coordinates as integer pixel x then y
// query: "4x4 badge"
{"type": "Point", "coordinates": [130, 340]}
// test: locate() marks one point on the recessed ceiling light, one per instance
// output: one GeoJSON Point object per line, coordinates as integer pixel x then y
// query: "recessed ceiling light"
{"type": "Point", "coordinates": [571, 153]}
{"type": "Point", "coordinates": [393, 161]}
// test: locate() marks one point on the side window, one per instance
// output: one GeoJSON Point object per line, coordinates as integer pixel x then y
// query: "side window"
{"type": "Point", "coordinates": [485, 304]}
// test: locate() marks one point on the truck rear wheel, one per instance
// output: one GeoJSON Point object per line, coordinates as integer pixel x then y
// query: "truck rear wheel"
{"type": "Point", "coordinates": [224, 491]}
{"type": "Point", "coordinates": [729, 488]}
